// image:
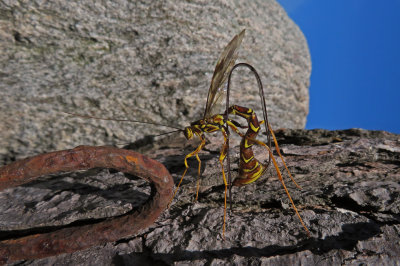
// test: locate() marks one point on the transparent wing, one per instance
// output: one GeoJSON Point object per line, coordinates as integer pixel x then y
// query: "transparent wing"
{"type": "Point", "coordinates": [225, 63]}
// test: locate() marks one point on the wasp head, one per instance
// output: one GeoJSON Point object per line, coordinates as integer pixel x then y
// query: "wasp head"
{"type": "Point", "coordinates": [188, 132]}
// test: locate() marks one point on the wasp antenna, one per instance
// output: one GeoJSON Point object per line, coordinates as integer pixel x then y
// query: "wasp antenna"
{"type": "Point", "coordinates": [166, 133]}
{"type": "Point", "coordinates": [120, 120]}
{"type": "Point", "coordinates": [151, 136]}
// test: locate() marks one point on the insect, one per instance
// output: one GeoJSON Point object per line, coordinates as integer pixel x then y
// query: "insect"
{"type": "Point", "coordinates": [250, 169]}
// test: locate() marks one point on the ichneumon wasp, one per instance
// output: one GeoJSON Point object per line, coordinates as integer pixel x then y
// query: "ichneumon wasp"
{"type": "Point", "coordinates": [250, 169]}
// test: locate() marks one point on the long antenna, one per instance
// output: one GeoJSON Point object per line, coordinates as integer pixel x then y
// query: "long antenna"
{"type": "Point", "coordinates": [121, 120]}
{"type": "Point", "coordinates": [166, 133]}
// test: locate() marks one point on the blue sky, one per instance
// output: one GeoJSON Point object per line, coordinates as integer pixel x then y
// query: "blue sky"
{"type": "Point", "coordinates": [355, 53]}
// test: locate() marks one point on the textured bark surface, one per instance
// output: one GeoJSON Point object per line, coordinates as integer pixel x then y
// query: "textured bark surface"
{"type": "Point", "coordinates": [141, 60]}
{"type": "Point", "coordinates": [349, 200]}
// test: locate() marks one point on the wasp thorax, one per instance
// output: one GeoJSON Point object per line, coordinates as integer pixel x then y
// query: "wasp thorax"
{"type": "Point", "coordinates": [188, 132]}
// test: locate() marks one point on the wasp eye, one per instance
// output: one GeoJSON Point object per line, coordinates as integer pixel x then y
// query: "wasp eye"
{"type": "Point", "coordinates": [188, 133]}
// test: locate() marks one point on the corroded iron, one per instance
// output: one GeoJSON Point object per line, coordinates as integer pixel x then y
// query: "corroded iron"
{"type": "Point", "coordinates": [70, 239]}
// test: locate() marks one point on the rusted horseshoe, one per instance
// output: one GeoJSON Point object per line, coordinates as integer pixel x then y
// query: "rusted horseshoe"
{"type": "Point", "coordinates": [71, 239]}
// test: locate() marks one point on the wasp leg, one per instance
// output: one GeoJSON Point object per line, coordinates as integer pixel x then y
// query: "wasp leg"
{"type": "Point", "coordinates": [279, 153]}
{"type": "Point", "coordinates": [194, 153]}
{"type": "Point", "coordinates": [222, 156]}
{"type": "Point", "coordinates": [281, 179]}
{"type": "Point", "coordinates": [198, 177]}
{"type": "Point", "coordinates": [234, 126]}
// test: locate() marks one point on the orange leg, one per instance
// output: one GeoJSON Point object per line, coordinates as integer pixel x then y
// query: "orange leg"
{"type": "Point", "coordinates": [194, 153]}
{"type": "Point", "coordinates": [234, 128]}
{"type": "Point", "coordinates": [275, 165]}
{"type": "Point", "coordinates": [281, 179]}
{"type": "Point", "coordinates": [198, 178]}
{"type": "Point", "coordinates": [279, 153]}
{"type": "Point", "coordinates": [222, 156]}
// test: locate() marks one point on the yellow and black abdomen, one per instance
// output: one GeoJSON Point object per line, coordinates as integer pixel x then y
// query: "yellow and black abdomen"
{"type": "Point", "coordinates": [250, 169]}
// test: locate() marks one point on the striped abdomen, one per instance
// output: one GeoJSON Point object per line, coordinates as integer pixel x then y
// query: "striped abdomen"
{"type": "Point", "coordinates": [250, 169]}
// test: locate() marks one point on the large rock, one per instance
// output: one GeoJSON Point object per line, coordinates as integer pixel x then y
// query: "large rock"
{"type": "Point", "coordinates": [149, 61]}
{"type": "Point", "coordinates": [349, 200]}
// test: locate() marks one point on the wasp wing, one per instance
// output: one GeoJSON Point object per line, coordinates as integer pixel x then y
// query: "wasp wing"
{"type": "Point", "coordinates": [225, 63]}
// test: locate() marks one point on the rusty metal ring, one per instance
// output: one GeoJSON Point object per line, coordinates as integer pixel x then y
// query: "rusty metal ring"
{"type": "Point", "coordinates": [76, 238]}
